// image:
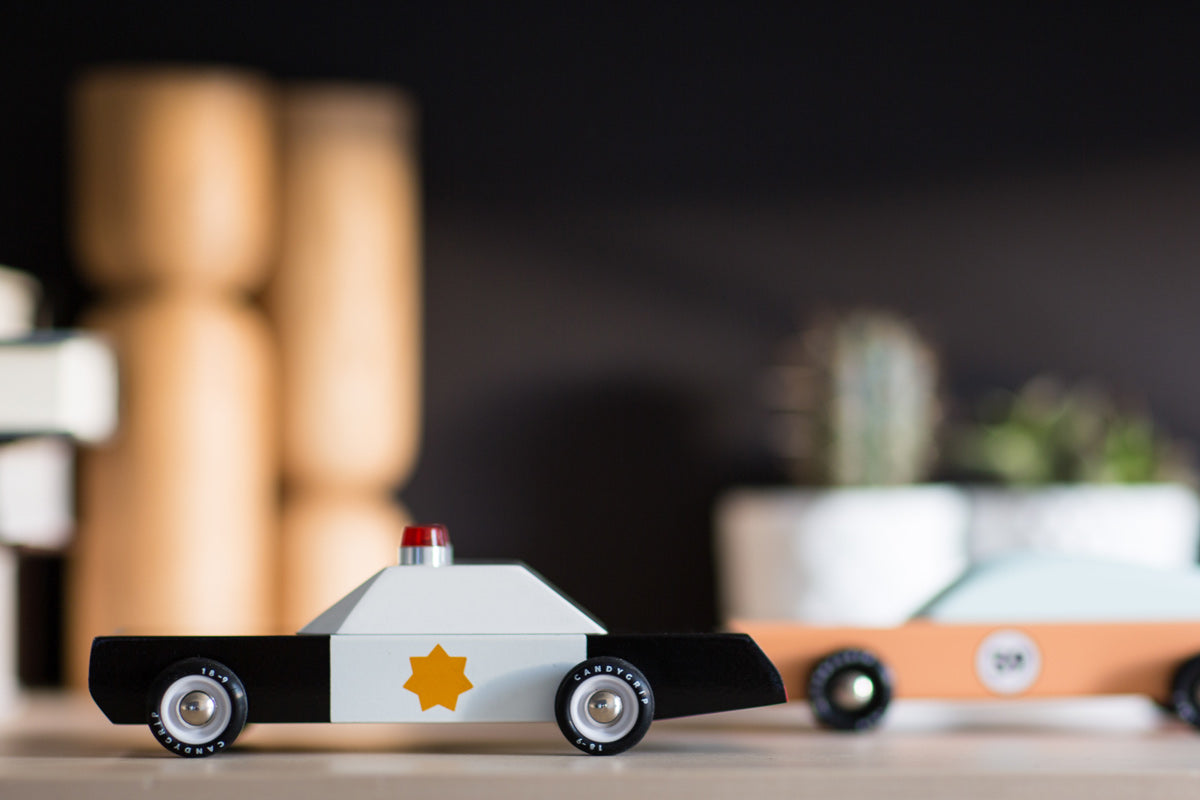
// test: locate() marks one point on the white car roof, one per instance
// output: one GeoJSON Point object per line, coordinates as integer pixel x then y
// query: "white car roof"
{"type": "Point", "coordinates": [1039, 588]}
{"type": "Point", "coordinates": [507, 598]}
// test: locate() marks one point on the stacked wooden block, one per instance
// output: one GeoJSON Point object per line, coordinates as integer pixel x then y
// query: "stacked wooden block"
{"type": "Point", "coordinates": [346, 304]}
{"type": "Point", "coordinates": [190, 187]}
{"type": "Point", "coordinates": [175, 189]}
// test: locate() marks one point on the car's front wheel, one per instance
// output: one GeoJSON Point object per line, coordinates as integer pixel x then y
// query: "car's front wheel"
{"type": "Point", "coordinates": [604, 706]}
{"type": "Point", "coordinates": [849, 690]}
{"type": "Point", "coordinates": [197, 707]}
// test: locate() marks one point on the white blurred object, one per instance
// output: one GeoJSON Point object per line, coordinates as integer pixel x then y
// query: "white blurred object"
{"type": "Point", "coordinates": [854, 556]}
{"type": "Point", "coordinates": [54, 383]}
{"type": "Point", "coordinates": [18, 307]}
{"type": "Point", "coordinates": [58, 383]}
{"type": "Point", "coordinates": [36, 492]}
{"type": "Point", "coordinates": [1156, 525]}
{"type": "Point", "coordinates": [18, 303]}
{"type": "Point", "coordinates": [8, 630]}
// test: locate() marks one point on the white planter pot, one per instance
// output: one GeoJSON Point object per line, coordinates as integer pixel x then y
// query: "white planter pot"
{"type": "Point", "coordinates": [1156, 524]}
{"type": "Point", "coordinates": [869, 556]}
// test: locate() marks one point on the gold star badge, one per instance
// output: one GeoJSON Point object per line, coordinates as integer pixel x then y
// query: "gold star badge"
{"type": "Point", "coordinates": [438, 679]}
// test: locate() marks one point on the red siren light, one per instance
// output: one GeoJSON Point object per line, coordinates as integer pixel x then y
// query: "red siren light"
{"type": "Point", "coordinates": [425, 536]}
{"type": "Point", "coordinates": [426, 545]}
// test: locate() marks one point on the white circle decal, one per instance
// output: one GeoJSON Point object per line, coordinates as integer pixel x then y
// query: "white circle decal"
{"type": "Point", "coordinates": [1008, 662]}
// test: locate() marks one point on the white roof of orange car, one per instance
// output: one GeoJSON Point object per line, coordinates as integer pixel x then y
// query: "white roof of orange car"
{"type": "Point", "coordinates": [1049, 589]}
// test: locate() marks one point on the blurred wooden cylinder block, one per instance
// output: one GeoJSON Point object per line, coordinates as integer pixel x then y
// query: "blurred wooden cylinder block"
{"type": "Point", "coordinates": [179, 508]}
{"type": "Point", "coordinates": [345, 299]}
{"type": "Point", "coordinates": [176, 219]}
{"type": "Point", "coordinates": [189, 185]}
{"type": "Point", "coordinates": [331, 544]}
{"type": "Point", "coordinates": [174, 178]}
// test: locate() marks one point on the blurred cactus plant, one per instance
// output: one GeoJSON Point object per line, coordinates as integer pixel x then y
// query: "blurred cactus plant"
{"type": "Point", "coordinates": [856, 400]}
{"type": "Point", "coordinates": [1050, 433]}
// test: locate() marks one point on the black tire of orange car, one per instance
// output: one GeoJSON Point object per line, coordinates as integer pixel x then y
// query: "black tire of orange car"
{"type": "Point", "coordinates": [1184, 688]}
{"type": "Point", "coordinates": [230, 707]}
{"type": "Point", "coordinates": [604, 673]}
{"type": "Point", "coordinates": [823, 680]}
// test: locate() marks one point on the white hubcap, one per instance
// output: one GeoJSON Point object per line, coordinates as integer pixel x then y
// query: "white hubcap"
{"type": "Point", "coordinates": [603, 708]}
{"type": "Point", "coordinates": [195, 709]}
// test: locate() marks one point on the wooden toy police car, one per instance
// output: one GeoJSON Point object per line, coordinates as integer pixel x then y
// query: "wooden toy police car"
{"type": "Point", "coordinates": [1021, 628]}
{"type": "Point", "coordinates": [431, 641]}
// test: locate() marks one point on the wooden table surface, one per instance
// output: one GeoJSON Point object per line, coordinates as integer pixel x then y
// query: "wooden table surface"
{"type": "Point", "coordinates": [61, 746]}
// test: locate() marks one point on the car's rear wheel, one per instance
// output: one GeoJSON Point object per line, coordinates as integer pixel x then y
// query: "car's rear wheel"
{"type": "Point", "coordinates": [1185, 691]}
{"type": "Point", "coordinates": [849, 690]}
{"type": "Point", "coordinates": [604, 706]}
{"type": "Point", "coordinates": [197, 708]}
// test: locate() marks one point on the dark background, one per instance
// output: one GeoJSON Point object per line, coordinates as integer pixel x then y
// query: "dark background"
{"type": "Point", "coordinates": [627, 208]}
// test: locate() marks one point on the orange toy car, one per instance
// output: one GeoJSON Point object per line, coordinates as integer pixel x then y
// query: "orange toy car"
{"type": "Point", "coordinates": [1028, 628]}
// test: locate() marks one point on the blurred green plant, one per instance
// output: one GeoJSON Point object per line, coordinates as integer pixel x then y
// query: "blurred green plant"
{"type": "Point", "coordinates": [1048, 432]}
{"type": "Point", "coordinates": [856, 401]}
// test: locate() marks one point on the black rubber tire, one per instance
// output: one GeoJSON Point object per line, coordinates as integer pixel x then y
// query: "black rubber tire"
{"type": "Point", "coordinates": [1184, 687]}
{"type": "Point", "coordinates": [821, 683]}
{"type": "Point", "coordinates": [627, 682]}
{"type": "Point", "coordinates": [221, 683]}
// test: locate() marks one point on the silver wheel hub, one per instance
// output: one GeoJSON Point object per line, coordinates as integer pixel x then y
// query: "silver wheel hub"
{"type": "Point", "coordinates": [604, 707]}
{"type": "Point", "coordinates": [852, 690]}
{"type": "Point", "coordinates": [197, 708]}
